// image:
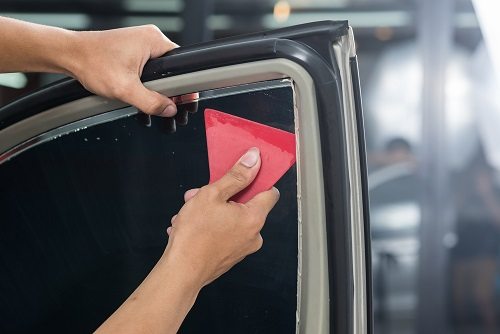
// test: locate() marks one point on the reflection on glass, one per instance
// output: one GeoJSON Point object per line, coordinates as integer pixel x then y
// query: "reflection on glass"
{"type": "Point", "coordinates": [84, 219]}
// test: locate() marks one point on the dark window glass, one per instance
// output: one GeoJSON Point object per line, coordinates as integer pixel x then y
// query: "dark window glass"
{"type": "Point", "coordinates": [83, 220]}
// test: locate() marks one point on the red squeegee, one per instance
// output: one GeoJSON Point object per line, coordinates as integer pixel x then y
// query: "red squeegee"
{"type": "Point", "coordinates": [229, 137]}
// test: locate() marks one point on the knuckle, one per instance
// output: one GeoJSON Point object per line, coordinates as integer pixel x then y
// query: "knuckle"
{"type": "Point", "coordinates": [224, 194]}
{"type": "Point", "coordinates": [151, 28]}
{"type": "Point", "coordinates": [257, 244]}
{"type": "Point", "coordinates": [276, 196]}
{"type": "Point", "coordinates": [254, 222]}
{"type": "Point", "coordinates": [154, 107]}
{"type": "Point", "coordinates": [209, 191]}
{"type": "Point", "coordinates": [238, 176]}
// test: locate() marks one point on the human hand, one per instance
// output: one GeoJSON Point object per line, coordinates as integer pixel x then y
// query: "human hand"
{"type": "Point", "coordinates": [109, 63]}
{"type": "Point", "coordinates": [210, 234]}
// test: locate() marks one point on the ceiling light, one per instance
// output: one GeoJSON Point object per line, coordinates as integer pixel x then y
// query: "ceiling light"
{"type": "Point", "coordinates": [281, 11]}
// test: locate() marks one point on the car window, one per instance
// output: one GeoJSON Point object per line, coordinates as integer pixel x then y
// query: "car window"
{"type": "Point", "coordinates": [84, 218]}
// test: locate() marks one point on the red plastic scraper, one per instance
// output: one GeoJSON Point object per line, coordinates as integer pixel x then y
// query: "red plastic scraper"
{"type": "Point", "coordinates": [229, 137]}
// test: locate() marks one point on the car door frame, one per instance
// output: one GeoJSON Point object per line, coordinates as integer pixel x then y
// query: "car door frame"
{"type": "Point", "coordinates": [334, 291]}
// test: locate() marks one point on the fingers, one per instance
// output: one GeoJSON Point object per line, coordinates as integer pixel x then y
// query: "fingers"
{"type": "Point", "coordinates": [169, 125]}
{"type": "Point", "coordinates": [186, 104]}
{"type": "Point", "coordinates": [148, 101]}
{"type": "Point", "coordinates": [240, 175]}
{"type": "Point", "coordinates": [181, 117]}
{"type": "Point", "coordinates": [262, 203]}
{"type": "Point", "coordinates": [190, 194]}
{"type": "Point", "coordinates": [187, 196]}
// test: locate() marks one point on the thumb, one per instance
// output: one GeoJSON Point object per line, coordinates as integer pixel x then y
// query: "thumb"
{"type": "Point", "coordinates": [240, 175]}
{"type": "Point", "coordinates": [148, 101]}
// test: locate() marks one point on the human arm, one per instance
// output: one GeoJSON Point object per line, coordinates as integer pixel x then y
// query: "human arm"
{"type": "Point", "coordinates": [208, 236]}
{"type": "Point", "coordinates": [108, 63]}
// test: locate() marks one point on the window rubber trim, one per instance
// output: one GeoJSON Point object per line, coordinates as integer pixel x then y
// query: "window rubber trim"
{"type": "Point", "coordinates": [358, 105]}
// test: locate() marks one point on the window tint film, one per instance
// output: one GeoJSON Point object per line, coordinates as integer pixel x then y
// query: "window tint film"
{"type": "Point", "coordinates": [84, 218]}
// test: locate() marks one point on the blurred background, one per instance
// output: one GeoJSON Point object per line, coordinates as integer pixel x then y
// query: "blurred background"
{"type": "Point", "coordinates": [428, 75]}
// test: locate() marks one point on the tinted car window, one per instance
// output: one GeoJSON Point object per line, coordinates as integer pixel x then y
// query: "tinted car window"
{"type": "Point", "coordinates": [84, 216]}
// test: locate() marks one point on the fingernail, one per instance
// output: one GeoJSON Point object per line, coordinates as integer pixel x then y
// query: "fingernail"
{"type": "Point", "coordinates": [250, 158]}
{"type": "Point", "coordinates": [277, 191]}
{"type": "Point", "coordinates": [170, 110]}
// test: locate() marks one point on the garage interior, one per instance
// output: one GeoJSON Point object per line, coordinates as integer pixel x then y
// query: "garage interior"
{"type": "Point", "coordinates": [429, 80]}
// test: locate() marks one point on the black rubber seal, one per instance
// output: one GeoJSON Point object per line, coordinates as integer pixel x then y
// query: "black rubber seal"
{"type": "Point", "coordinates": [364, 188]}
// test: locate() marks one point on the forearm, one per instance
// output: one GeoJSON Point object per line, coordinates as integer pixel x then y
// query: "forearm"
{"type": "Point", "coordinates": [107, 63]}
{"type": "Point", "coordinates": [159, 304]}
{"type": "Point", "coordinates": [208, 236]}
{"type": "Point", "coordinates": [28, 47]}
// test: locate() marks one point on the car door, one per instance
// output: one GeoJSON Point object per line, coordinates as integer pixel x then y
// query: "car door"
{"type": "Point", "coordinates": [88, 186]}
